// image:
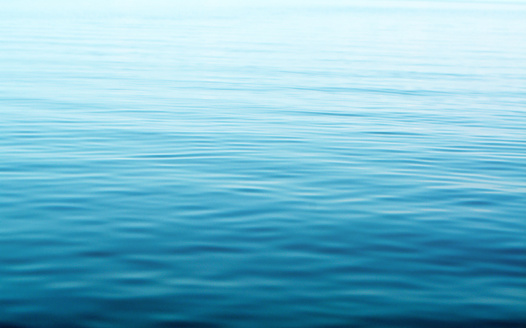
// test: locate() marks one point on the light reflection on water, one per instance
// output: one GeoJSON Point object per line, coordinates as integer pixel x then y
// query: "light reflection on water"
{"type": "Point", "coordinates": [298, 165]}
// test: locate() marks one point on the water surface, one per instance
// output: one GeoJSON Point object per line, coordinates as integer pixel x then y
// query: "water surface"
{"type": "Point", "coordinates": [334, 164]}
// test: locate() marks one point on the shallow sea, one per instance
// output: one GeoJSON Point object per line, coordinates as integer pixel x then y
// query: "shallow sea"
{"type": "Point", "coordinates": [287, 164]}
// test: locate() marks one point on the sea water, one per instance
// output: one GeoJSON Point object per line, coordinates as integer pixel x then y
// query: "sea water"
{"type": "Point", "coordinates": [262, 164]}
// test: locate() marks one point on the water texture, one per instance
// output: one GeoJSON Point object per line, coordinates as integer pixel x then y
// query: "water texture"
{"type": "Point", "coordinates": [278, 164]}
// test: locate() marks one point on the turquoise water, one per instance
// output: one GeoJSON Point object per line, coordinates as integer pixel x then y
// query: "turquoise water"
{"type": "Point", "coordinates": [294, 164]}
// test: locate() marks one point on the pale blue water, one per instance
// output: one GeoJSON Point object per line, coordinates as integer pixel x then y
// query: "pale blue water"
{"type": "Point", "coordinates": [337, 164]}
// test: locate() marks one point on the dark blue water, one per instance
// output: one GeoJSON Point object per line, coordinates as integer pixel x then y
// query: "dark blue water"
{"type": "Point", "coordinates": [296, 164]}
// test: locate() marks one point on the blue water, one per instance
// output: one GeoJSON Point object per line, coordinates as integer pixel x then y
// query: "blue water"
{"type": "Point", "coordinates": [278, 164]}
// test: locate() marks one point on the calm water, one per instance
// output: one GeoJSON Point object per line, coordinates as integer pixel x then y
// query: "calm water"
{"type": "Point", "coordinates": [246, 165]}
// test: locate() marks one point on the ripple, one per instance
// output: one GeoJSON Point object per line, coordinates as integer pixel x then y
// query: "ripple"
{"type": "Point", "coordinates": [262, 165]}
